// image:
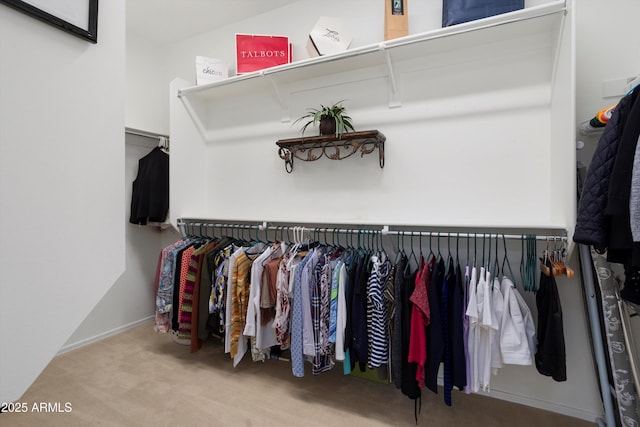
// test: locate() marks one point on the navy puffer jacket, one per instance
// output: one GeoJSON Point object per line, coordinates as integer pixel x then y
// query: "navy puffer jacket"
{"type": "Point", "coordinates": [592, 226]}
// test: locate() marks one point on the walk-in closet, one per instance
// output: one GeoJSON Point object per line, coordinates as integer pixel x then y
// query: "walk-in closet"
{"type": "Point", "coordinates": [183, 245]}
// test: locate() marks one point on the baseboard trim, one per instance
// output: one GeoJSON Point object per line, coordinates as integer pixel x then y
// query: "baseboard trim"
{"type": "Point", "coordinates": [569, 411]}
{"type": "Point", "coordinates": [103, 335]}
{"type": "Point", "coordinates": [547, 406]}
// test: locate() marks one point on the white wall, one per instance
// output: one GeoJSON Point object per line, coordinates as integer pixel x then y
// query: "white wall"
{"type": "Point", "coordinates": [146, 86]}
{"type": "Point", "coordinates": [130, 300]}
{"type": "Point", "coordinates": [579, 395]}
{"type": "Point", "coordinates": [61, 184]}
{"type": "Point", "coordinates": [607, 49]}
{"type": "Point", "coordinates": [598, 23]}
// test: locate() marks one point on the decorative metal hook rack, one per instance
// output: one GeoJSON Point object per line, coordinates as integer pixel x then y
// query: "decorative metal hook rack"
{"type": "Point", "coordinates": [334, 147]}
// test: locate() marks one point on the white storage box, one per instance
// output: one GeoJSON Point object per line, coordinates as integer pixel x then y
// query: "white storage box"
{"type": "Point", "coordinates": [210, 70]}
{"type": "Point", "coordinates": [329, 35]}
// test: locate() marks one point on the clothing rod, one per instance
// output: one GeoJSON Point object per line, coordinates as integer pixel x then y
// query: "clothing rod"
{"type": "Point", "coordinates": [145, 133]}
{"type": "Point", "coordinates": [384, 230]}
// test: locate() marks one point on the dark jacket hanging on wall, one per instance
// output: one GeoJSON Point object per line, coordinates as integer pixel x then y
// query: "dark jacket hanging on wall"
{"type": "Point", "coordinates": [150, 198]}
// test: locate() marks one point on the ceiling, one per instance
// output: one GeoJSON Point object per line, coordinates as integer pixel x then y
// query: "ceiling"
{"type": "Point", "coordinates": [167, 21]}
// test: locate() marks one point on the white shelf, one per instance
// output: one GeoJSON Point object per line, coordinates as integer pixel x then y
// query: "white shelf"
{"type": "Point", "coordinates": [535, 20]}
{"type": "Point", "coordinates": [486, 115]}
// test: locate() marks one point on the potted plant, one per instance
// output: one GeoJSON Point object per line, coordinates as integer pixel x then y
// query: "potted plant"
{"type": "Point", "coordinates": [330, 120]}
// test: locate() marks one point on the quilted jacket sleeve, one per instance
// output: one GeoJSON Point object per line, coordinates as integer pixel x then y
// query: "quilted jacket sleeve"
{"type": "Point", "coordinates": [591, 226]}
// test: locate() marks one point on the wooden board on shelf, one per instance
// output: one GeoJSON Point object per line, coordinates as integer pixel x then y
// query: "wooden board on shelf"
{"type": "Point", "coordinates": [396, 19]}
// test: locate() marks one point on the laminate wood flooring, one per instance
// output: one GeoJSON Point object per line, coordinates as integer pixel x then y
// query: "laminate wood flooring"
{"type": "Point", "coordinates": [143, 378]}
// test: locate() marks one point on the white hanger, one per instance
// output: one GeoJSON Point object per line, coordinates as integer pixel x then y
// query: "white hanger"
{"type": "Point", "coordinates": [163, 143]}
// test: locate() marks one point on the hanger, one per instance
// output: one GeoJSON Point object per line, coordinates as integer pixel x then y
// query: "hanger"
{"type": "Point", "coordinates": [506, 259]}
{"type": "Point", "coordinates": [412, 255]}
{"type": "Point", "coordinates": [475, 249]}
{"type": "Point", "coordinates": [568, 271]}
{"type": "Point", "coordinates": [399, 250]}
{"type": "Point", "coordinates": [496, 265]}
{"type": "Point", "coordinates": [528, 261]}
{"type": "Point", "coordinates": [544, 268]}
{"type": "Point", "coordinates": [431, 253]}
{"type": "Point", "coordinates": [488, 264]}
{"type": "Point", "coordinates": [556, 259]}
{"type": "Point", "coordinates": [163, 144]}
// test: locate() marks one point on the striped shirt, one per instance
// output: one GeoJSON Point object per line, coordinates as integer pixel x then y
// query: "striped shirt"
{"type": "Point", "coordinates": [377, 319]}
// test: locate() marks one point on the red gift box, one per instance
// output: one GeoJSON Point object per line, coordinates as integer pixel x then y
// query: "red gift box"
{"type": "Point", "coordinates": [257, 52]}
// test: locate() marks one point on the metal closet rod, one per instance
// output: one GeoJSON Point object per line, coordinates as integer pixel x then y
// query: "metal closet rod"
{"type": "Point", "coordinates": [144, 133]}
{"type": "Point", "coordinates": [365, 229]}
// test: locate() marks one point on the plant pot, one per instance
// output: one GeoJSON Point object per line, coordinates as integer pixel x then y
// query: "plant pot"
{"type": "Point", "coordinates": [327, 126]}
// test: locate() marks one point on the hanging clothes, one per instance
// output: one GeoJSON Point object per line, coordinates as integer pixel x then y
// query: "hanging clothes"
{"type": "Point", "coordinates": [165, 286]}
{"type": "Point", "coordinates": [359, 345]}
{"type": "Point", "coordinates": [420, 320]}
{"type": "Point", "coordinates": [389, 296]}
{"type": "Point", "coordinates": [396, 335]}
{"type": "Point", "coordinates": [497, 312]}
{"type": "Point", "coordinates": [345, 295]}
{"type": "Point", "coordinates": [378, 330]}
{"type": "Point", "coordinates": [329, 305]}
{"type": "Point", "coordinates": [517, 332]}
{"type": "Point", "coordinates": [206, 280]}
{"type": "Point", "coordinates": [284, 285]}
{"type": "Point", "coordinates": [551, 355]}
{"type": "Point", "coordinates": [440, 337]}
{"type": "Point", "coordinates": [458, 347]}
{"type": "Point", "coordinates": [486, 329]}
{"type": "Point", "coordinates": [409, 384]}
{"type": "Point", "coordinates": [297, 345]}
{"type": "Point", "coordinates": [466, 329]}
{"type": "Point", "coordinates": [253, 320]}
{"type": "Point", "coordinates": [150, 195]}
{"type": "Point", "coordinates": [609, 202]}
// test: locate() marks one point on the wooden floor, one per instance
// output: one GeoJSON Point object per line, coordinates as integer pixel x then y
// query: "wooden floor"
{"type": "Point", "coordinates": [143, 378]}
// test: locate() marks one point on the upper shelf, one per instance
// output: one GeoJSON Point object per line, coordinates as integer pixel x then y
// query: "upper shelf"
{"type": "Point", "coordinates": [530, 21]}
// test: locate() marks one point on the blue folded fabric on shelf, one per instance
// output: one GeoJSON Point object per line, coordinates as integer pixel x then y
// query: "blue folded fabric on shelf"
{"type": "Point", "coordinates": [459, 11]}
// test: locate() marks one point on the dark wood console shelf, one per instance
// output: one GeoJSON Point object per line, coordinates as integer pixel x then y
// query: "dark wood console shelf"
{"type": "Point", "coordinates": [334, 147]}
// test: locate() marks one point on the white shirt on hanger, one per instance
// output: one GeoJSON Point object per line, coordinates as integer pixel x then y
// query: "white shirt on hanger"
{"type": "Point", "coordinates": [497, 314]}
{"type": "Point", "coordinates": [308, 339]}
{"type": "Point", "coordinates": [472, 339]}
{"type": "Point", "coordinates": [252, 322]}
{"type": "Point", "coordinates": [517, 337]}
{"type": "Point", "coordinates": [486, 329]}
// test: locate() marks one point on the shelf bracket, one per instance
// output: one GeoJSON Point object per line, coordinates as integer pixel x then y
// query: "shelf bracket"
{"type": "Point", "coordinates": [285, 115]}
{"type": "Point", "coordinates": [394, 92]}
{"type": "Point", "coordinates": [556, 56]}
{"type": "Point", "coordinates": [194, 116]}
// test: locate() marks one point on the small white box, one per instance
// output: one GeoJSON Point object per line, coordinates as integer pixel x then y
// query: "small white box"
{"type": "Point", "coordinates": [329, 35]}
{"type": "Point", "coordinates": [210, 70]}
